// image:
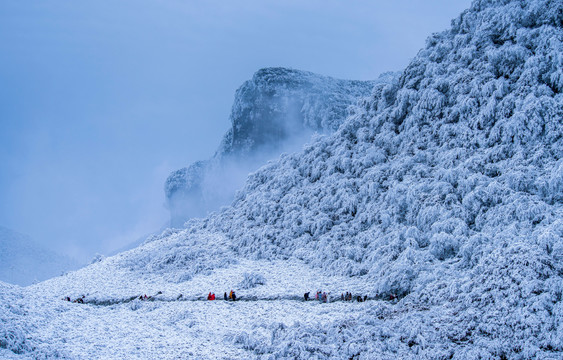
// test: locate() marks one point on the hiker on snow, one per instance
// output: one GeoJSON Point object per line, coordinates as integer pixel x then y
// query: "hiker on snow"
{"type": "Point", "coordinates": [306, 296]}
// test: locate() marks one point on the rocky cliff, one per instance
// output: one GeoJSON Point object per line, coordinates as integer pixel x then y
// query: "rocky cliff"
{"type": "Point", "coordinates": [277, 111]}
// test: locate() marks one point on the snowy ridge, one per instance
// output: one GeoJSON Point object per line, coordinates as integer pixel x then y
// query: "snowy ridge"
{"type": "Point", "coordinates": [444, 188]}
{"type": "Point", "coordinates": [417, 165]}
{"type": "Point", "coordinates": [276, 111]}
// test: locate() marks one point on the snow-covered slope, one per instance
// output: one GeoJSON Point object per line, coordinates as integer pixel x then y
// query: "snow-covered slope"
{"type": "Point", "coordinates": [444, 188]}
{"type": "Point", "coordinates": [462, 152]}
{"type": "Point", "coordinates": [23, 262]}
{"type": "Point", "coordinates": [276, 111]}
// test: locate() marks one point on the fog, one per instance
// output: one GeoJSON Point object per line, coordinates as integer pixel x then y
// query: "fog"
{"type": "Point", "coordinates": [100, 100]}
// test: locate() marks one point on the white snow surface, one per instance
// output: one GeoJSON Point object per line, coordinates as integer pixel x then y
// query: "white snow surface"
{"type": "Point", "coordinates": [444, 188]}
{"type": "Point", "coordinates": [114, 323]}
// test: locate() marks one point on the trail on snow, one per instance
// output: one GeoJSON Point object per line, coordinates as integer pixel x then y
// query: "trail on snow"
{"type": "Point", "coordinates": [110, 302]}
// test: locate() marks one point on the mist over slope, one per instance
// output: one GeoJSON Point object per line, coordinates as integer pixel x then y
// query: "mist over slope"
{"type": "Point", "coordinates": [276, 111]}
{"type": "Point", "coordinates": [24, 262]}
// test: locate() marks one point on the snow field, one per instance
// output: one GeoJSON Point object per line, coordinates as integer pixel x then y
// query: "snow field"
{"type": "Point", "coordinates": [174, 329]}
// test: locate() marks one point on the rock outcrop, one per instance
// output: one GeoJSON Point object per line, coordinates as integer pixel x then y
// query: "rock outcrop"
{"type": "Point", "coordinates": [277, 111]}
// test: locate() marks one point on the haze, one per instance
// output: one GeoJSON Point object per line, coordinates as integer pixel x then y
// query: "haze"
{"type": "Point", "coordinates": [100, 100]}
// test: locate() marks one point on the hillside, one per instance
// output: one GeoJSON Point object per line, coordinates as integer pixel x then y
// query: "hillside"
{"type": "Point", "coordinates": [277, 111]}
{"type": "Point", "coordinates": [444, 188]}
{"type": "Point", "coordinates": [23, 262]}
{"type": "Point", "coordinates": [440, 197]}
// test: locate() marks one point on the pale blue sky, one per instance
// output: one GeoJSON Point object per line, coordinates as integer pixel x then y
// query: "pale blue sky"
{"type": "Point", "coordinates": [100, 100]}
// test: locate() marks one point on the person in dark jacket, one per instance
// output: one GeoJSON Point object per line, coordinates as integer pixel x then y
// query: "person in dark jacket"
{"type": "Point", "coordinates": [306, 296]}
{"type": "Point", "coordinates": [234, 296]}
{"type": "Point", "coordinates": [225, 296]}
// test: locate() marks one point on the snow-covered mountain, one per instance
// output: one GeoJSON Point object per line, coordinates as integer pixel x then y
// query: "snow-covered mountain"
{"type": "Point", "coordinates": [277, 111]}
{"type": "Point", "coordinates": [442, 190]}
{"type": "Point", "coordinates": [24, 262]}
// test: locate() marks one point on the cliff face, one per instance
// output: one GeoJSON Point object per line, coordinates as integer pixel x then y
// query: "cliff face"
{"type": "Point", "coordinates": [277, 111]}
{"type": "Point", "coordinates": [280, 104]}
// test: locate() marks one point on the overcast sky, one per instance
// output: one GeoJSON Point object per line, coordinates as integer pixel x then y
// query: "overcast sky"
{"type": "Point", "coordinates": [100, 100]}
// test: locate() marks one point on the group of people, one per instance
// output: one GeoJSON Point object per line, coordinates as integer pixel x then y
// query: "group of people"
{"type": "Point", "coordinates": [348, 297]}
{"type": "Point", "coordinates": [324, 297]}
{"type": "Point", "coordinates": [320, 296]}
{"type": "Point", "coordinates": [79, 300]}
{"type": "Point", "coordinates": [232, 296]}
{"type": "Point", "coordinates": [151, 297]}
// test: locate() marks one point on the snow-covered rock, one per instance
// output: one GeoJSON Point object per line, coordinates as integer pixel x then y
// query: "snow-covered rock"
{"type": "Point", "coordinates": [276, 111]}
